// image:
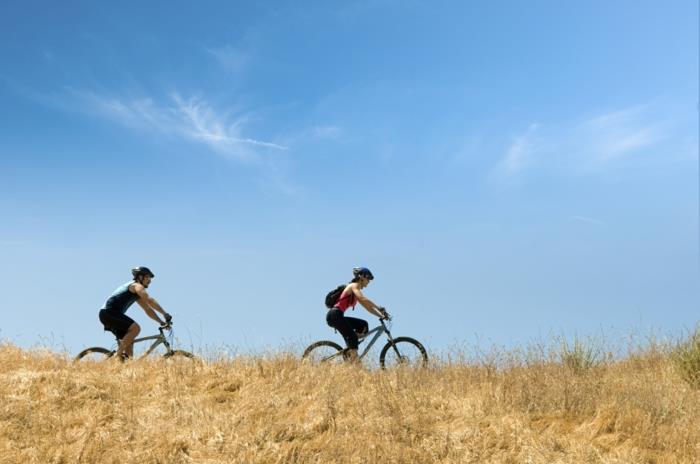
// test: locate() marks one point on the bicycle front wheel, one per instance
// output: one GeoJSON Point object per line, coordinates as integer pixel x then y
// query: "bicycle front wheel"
{"type": "Point", "coordinates": [95, 353]}
{"type": "Point", "coordinates": [178, 354]}
{"type": "Point", "coordinates": [324, 351]}
{"type": "Point", "coordinates": [404, 351]}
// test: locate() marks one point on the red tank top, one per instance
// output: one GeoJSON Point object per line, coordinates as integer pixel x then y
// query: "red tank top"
{"type": "Point", "coordinates": [347, 299]}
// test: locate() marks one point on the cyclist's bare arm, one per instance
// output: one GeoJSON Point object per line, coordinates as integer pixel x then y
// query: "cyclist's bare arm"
{"type": "Point", "coordinates": [368, 304]}
{"type": "Point", "coordinates": [149, 304]}
{"type": "Point", "coordinates": [152, 314]}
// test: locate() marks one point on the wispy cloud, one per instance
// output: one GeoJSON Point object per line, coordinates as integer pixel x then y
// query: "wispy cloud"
{"type": "Point", "coordinates": [519, 154]}
{"type": "Point", "coordinates": [619, 133]}
{"type": "Point", "coordinates": [230, 58]}
{"type": "Point", "coordinates": [319, 133]}
{"type": "Point", "coordinates": [326, 132]}
{"type": "Point", "coordinates": [588, 145]}
{"type": "Point", "coordinates": [202, 123]}
{"type": "Point", "coordinates": [188, 118]}
{"type": "Point", "coordinates": [192, 119]}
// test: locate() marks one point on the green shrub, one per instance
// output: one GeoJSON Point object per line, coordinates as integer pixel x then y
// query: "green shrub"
{"type": "Point", "coordinates": [687, 359]}
{"type": "Point", "coordinates": [580, 356]}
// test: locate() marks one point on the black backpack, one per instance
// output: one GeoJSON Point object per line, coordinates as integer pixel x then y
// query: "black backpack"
{"type": "Point", "coordinates": [334, 295]}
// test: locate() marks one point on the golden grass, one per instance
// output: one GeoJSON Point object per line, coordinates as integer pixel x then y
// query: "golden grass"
{"type": "Point", "coordinates": [279, 410]}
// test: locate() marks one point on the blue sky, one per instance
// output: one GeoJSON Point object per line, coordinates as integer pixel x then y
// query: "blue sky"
{"type": "Point", "coordinates": [508, 170]}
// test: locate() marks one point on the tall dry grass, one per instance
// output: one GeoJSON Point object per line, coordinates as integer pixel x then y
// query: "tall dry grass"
{"type": "Point", "coordinates": [520, 408]}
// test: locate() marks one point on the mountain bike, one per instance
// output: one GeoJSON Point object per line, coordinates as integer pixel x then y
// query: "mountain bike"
{"type": "Point", "coordinates": [399, 351]}
{"type": "Point", "coordinates": [97, 352]}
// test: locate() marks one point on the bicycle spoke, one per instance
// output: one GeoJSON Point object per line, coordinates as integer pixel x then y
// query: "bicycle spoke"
{"type": "Point", "coordinates": [404, 352]}
{"type": "Point", "coordinates": [324, 352]}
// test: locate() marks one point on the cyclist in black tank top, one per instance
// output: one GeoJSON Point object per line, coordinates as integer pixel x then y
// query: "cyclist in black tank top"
{"type": "Point", "coordinates": [113, 313]}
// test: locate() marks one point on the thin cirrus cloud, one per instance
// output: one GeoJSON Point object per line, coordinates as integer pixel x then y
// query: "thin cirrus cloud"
{"type": "Point", "coordinates": [616, 134]}
{"type": "Point", "coordinates": [191, 119]}
{"type": "Point", "coordinates": [519, 155]}
{"type": "Point", "coordinates": [592, 144]}
{"type": "Point", "coordinates": [588, 220]}
{"type": "Point", "coordinates": [231, 59]}
{"type": "Point", "coordinates": [326, 132]}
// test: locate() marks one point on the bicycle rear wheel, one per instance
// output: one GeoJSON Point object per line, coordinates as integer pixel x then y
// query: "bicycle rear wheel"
{"type": "Point", "coordinates": [95, 353]}
{"type": "Point", "coordinates": [404, 351]}
{"type": "Point", "coordinates": [324, 351]}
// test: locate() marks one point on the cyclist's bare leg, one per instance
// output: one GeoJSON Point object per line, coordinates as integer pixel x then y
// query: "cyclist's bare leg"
{"type": "Point", "coordinates": [127, 343]}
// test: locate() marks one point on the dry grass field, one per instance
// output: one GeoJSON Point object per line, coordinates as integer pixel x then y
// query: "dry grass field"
{"type": "Point", "coordinates": [277, 409]}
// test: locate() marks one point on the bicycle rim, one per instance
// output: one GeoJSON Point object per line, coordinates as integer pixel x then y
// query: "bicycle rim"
{"type": "Point", "coordinates": [95, 353]}
{"type": "Point", "coordinates": [179, 354]}
{"type": "Point", "coordinates": [324, 352]}
{"type": "Point", "coordinates": [404, 352]}
{"type": "Point", "coordinates": [179, 357]}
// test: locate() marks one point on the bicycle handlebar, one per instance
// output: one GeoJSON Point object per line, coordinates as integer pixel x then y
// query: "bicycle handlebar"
{"type": "Point", "coordinates": [385, 315]}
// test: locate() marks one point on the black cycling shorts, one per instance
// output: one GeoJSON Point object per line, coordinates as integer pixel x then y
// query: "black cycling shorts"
{"type": "Point", "coordinates": [115, 322]}
{"type": "Point", "coordinates": [347, 326]}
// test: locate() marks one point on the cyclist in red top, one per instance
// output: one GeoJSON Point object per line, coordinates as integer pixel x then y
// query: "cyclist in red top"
{"type": "Point", "coordinates": [351, 327]}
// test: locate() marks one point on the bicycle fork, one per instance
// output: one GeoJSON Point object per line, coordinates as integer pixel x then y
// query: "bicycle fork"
{"type": "Point", "coordinates": [391, 340]}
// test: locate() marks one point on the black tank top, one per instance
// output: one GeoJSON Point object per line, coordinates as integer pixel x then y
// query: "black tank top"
{"type": "Point", "coordinates": [121, 299]}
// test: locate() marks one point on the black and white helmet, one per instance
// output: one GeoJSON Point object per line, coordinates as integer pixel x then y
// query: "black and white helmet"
{"type": "Point", "coordinates": [362, 272]}
{"type": "Point", "coordinates": [141, 271]}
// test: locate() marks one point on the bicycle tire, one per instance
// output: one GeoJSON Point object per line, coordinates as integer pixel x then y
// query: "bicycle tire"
{"type": "Point", "coordinates": [184, 353]}
{"type": "Point", "coordinates": [419, 360]}
{"type": "Point", "coordinates": [314, 352]}
{"type": "Point", "coordinates": [94, 350]}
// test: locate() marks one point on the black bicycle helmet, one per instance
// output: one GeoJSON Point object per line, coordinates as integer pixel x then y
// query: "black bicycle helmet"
{"type": "Point", "coordinates": [362, 272]}
{"type": "Point", "coordinates": [141, 271]}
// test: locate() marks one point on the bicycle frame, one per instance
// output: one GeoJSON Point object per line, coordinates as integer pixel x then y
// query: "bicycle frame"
{"type": "Point", "coordinates": [380, 329]}
{"type": "Point", "coordinates": [159, 339]}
